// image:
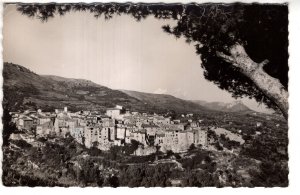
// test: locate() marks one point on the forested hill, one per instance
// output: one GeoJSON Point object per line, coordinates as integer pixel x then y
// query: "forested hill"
{"type": "Point", "coordinates": [236, 106]}
{"type": "Point", "coordinates": [24, 89]}
{"type": "Point", "coordinates": [166, 101]}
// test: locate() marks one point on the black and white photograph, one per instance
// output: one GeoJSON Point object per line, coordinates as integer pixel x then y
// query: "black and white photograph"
{"type": "Point", "coordinates": [113, 94]}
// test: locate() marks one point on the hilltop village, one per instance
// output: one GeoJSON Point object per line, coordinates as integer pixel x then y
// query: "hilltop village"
{"type": "Point", "coordinates": [116, 127]}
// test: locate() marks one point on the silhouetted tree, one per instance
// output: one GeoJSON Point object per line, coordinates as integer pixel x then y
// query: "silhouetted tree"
{"type": "Point", "coordinates": [114, 181]}
{"type": "Point", "coordinates": [8, 127]}
{"type": "Point", "coordinates": [192, 147]}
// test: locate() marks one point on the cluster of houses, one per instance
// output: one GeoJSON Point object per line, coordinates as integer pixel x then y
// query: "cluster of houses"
{"type": "Point", "coordinates": [116, 127]}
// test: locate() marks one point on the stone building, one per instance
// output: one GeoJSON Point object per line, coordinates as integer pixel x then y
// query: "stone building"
{"type": "Point", "coordinates": [140, 136]}
{"type": "Point", "coordinates": [45, 129]}
{"type": "Point", "coordinates": [25, 123]}
{"type": "Point", "coordinates": [91, 135]}
{"type": "Point", "coordinates": [78, 133]}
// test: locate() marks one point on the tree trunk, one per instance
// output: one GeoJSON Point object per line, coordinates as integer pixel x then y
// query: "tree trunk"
{"type": "Point", "coordinates": [270, 86]}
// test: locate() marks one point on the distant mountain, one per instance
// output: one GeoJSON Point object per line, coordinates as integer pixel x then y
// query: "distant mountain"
{"type": "Point", "coordinates": [166, 101]}
{"type": "Point", "coordinates": [24, 89]}
{"type": "Point", "coordinates": [236, 106]}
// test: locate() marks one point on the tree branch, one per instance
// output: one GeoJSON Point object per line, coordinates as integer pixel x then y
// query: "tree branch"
{"type": "Point", "coordinates": [263, 63]}
{"type": "Point", "coordinates": [227, 58]}
{"type": "Point", "coordinates": [270, 86]}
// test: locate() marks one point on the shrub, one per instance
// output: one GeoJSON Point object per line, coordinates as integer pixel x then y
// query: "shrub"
{"type": "Point", "coordinates": [21, 143]}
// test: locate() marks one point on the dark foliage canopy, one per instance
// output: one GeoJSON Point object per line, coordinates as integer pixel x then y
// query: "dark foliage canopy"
{"type": "Point", "coordinates": [8, 127]}
{"type": "Point", "coordinates": [261, 28]}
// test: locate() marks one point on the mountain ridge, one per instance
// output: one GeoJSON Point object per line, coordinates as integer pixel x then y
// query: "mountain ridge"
{"type": "Point", "coordinates": [25, 89]}
{"type": "Point", "coordinates": [236, 106]}
{"type": "Point", "coordinates": [165, 100]}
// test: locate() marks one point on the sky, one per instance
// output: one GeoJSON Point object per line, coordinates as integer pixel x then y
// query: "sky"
{"type": "Point", "coordinates": [119, 53]}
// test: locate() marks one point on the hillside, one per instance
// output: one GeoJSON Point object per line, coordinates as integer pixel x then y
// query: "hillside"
{"type": "Point", "coordinates": [24, 89]}
{"type": "Point", "coordinates": [166, 101]}
{"type": "Point", "coordinates": [236, 106]}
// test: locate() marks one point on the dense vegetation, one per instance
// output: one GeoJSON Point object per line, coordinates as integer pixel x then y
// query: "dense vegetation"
{"type": "Point", "coordinates": [51, 161]}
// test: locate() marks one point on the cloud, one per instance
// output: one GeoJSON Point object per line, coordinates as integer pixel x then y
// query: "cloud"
{"type": "Point", "coordinates": [160, 91]}
{"type": "Point", "coordinates": [181, 93]}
